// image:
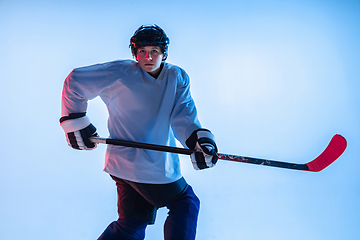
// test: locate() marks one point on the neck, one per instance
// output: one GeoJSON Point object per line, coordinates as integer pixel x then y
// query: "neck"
{"type": "Point", "coordinates": [157, 72]}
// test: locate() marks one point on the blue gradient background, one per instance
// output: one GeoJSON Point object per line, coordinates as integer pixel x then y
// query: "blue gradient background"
{"type": "Point", "coordinates": [271, 79]}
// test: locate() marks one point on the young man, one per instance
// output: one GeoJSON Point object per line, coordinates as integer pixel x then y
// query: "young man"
{"type": "Point", "coordinates": [148, 101]}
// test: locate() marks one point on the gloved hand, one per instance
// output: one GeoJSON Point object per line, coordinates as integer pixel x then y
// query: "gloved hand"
{"type": "Point", "coordinates": [78, 131]}
{"type": "Point", "coordinates": [202, 140]}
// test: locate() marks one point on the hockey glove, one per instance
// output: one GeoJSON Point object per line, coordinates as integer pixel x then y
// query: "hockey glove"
{"type": "Point", "coordinates": [202, 140]}
{"type": "Point", "coordinates": [78, 131]}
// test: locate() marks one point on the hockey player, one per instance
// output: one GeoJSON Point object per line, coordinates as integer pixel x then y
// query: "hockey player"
{"type": "Point", "coordinates": [148, 101]}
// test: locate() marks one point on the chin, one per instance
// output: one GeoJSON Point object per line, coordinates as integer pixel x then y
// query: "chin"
{"type": "Point", "coordinates": [149, 70]}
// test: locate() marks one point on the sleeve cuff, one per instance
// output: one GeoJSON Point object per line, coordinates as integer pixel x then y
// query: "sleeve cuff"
{"type": "Point", "coordinates": [73, 125]}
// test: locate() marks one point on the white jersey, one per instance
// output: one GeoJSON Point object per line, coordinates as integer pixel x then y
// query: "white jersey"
{"type": "Point", "coordinates": [142, 109]}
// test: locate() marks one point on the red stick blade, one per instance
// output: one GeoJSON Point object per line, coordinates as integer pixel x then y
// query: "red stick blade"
{"type": "Point", "coordinates": [334, 150]}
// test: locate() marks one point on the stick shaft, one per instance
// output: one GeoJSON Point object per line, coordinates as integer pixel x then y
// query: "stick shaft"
{"type": "Point", "coordinates": [148, 146]}
{"type": "Point", "coordinates": [335, 148]}
{"type": "Point", "coordinates": [265, 162]}
{"type": "Point", "coordinates": [185, 151]}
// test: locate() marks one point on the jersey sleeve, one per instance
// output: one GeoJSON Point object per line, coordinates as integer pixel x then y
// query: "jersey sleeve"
{"type": "Point", "coordinates": [81, 85]}
{"type": "Point", "coordinates": [184, 119]}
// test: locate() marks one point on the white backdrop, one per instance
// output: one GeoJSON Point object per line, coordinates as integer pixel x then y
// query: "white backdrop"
{"type": "Point", "coordinates": [271, 79]}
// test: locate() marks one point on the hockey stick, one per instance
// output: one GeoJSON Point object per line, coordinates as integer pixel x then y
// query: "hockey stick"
{"type": "Point", "coordinates": [334, 150]}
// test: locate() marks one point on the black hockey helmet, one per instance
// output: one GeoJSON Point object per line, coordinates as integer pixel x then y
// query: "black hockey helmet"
{"type": "Point", "coordinates": [149, 35]}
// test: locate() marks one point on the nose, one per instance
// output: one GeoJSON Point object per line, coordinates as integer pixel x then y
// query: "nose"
{"type": "Point", "coordinates": [148, 56]}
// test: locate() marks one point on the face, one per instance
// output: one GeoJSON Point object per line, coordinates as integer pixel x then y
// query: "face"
{"type": "Point", "coordinates": [150, 58]}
